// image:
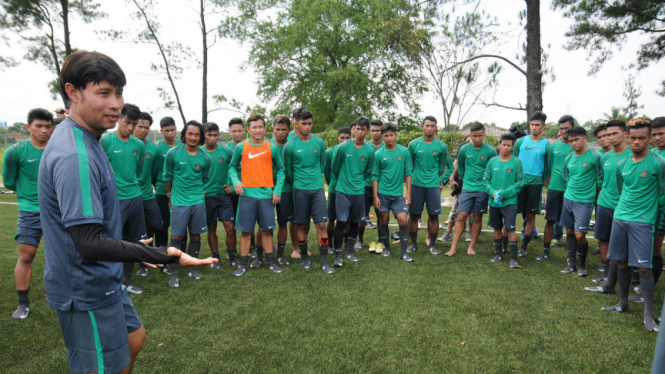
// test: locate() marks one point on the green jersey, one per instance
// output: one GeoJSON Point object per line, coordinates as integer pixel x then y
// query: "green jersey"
{"type": "Point", "coordinates": [352, 165]}
{"type": "Point", "coordinates": [662, 155]}
{"type": "Point", "coordinates": [218, 176]}
{"type": "Point", "coordinates": [331, 179]}
{"type": "Point", "coordinates": [287, 186]}
{"type": "Point", "coordinates": [429, 162]}
{"type": "Point", "coordinates": [368, 181]}
{"type": "Point", "coordinates": [390, 169]}
{"type": "Point", "coordinates": [609, 197]}
{"type": "Point", "coordinates": [152, 162]}
{"type": "Point", "coordinates": [533, 155]}
{"type": "Point", "coordinates": [583, 176]}
{"type": "Point", "coordinates": [233, 147]}
{"type": "Point", "coordinates": [556, 154]}
{"type": "Point", "coordinates": [640, 185]}
{"type": "Point", "coordinates": [305, 162]}
{"type": "Point", "coordinates": [20, 169]}
{"type": "Point", "coordinates": [163, 150]}
{"type": "Point", "coordinates": [507, 177]}
{"type": "Point", "coordinates": [471, 165]}
{"type": "Point", "coordinates": [258, 165]}
{"type": "Point", "coordinates": [187, 174]}
{"type": "Point", "coordinates": [126, 158]}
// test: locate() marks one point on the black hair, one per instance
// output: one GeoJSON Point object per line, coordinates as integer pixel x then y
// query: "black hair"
{"type": "Point", "coordinates": [344, 130]}
{"type": "Point", "coordinates": [57, 121]}
{"type": "Point", "coordinates": [577, 131]}
{"type": "Point", "coordinates": [656, 123]}
{"type": "Point", "coordinates": [353, 123]}
{"type": "Point", "coordinates": [130, 111]}
{"type": "Point", "coordinates": [302, 113]}
{"type": "Point", "coordinates": [597, 129]}
{"type": "Point", "coordinates": [376, 122]}
{"type": "Point", "coordinates": [146, 117]}
{"type": "Point", "coordinates": [281, 119]}
{"type": "Point", "coordinates": [476, 126]}
{"type": "Point", "coordinates": [506, 137]}
{"type": "Point", "coordinates": [255, 117]}
{"type": "Point", "coordinates": [640, 123]}
{"type": "Point", "coordinates": [429, 118]}
{"type": "Point", "coordinates": [202, 139]}
{"type": "Point", "coordinates": [166, 122]}
{"type": "Point", "coordinates": [83, 67]}
{"type": "Point", "coordinates": [618, 123]}
{"type": "Point", "coordinates": [538, 116]}
{"type": "Point", "coordinates": [362, 122]}
{"type": "Point", "coordinates": [388, 126]}
{"type": "Point", "coordinates": [39, 113]}
{"type": "Point", "coordinates": [210, 126]}
{"type": "Point", "coordinates": [236, 121]}
{"type": "Point", "coordinates": [566, 118]}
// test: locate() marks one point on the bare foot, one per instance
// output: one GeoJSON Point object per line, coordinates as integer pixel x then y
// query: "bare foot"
{"type": "Point", "coordinates": [470, 251]}
{"type": "Point", "coordinates": [295, 254]}
{"type": "Point", "coordinates": [450, 253]}
{"type": "Point", "coordinates": [396, 241]}
{"type": "Point", "coordinates": [427, 240]}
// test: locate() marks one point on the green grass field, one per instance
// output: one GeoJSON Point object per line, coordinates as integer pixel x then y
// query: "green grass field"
{"type": "Point", "coordinates": [438, 314]}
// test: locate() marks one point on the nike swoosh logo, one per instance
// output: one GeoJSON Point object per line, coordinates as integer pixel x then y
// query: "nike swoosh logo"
{"type": "Point", "coordinates": [251, 156]}
{"type": "Point", "coordinates": [422, 150]}
{"type": "Point", "coordinates": [512, 227]}
{"type": "Point", "coordinates": [528, 149]}
{"type": "Point", "coordinates": [582, 227]}
{"type": "Point", "coordinates": [469, 156]}
{"type": "Point", "coordinates": [348, 155]}
{"type": "Point", "coordinates": [607, 163]}
{"type": "Point", "coordinates": [385, 158]}
{"type": "Point", "coordinates": [557, 151]}
{"type": "Point", "coordinates": [496, 168]}
{"type": "Point", "coordinates": [626, 173]}
{"type": "Point", "coordinates": [182, 163]}
{"type": "Point", "coordinates": [117, 151]}
{"type": "Point", "coordinates": [203, 228]}
{"type": "Point", "coordinates": [300, 150]}
{"type": "Point", "coordinates": [571, 165]}
{"type": "Point", "coordinates": [32, 160]}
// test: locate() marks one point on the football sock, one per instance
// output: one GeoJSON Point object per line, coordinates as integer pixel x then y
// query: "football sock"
{"type": "Point", "coordinates": [504, 243]}
{"type": "Point", "coordinates": [338, 239]}
{"type": "Point", "coordinates": [361, 233]}
{"type": "Point", "coordinates": [232, 255]}
{"type": "Point", "coordinates": [351, 239]}
{"type": "Point", "coordinates": [331, 234]}
{"type": "Point", "coordinates": [403, 238]}
{"type": "Point", "coordinates": [259, 253]}
{"type": "Point", "coordinates": [571, 246]}
{"type": "Point", "coordinates": [432, 239]}
{"type": "Point", "coordinates": [611, 280]}
{"type": "Point", "coordinates": [582, 251]}
{"type": "Point", "coordinates": [23, 298]}
{"type": "Point", "coordinates": [647, 289]}
{"type": "Point", "coordinates": [414, 238]}
{"type": "Point", "coordinates": [194, 248]}
{"type": "Point", "coordinates": [384, 236]}
{"type": "Point", "coordinates": [497, 246]}
{"type": "Point", "coordinates": [525, 242]}
{"type": "Point", "coordinates": [176, 243]}
{"type": "Point", "coordinates": [270, 259]}
{"type": "Point", "coordinates": [513, 250]}
{"type": "Point", "coordinates": [303, 249]}
{"type": "Point", "coordinates": [623, 275]}
{"type": "Point", "coordinates": [243, 261]}
{"type": "Point", "coordinates": [253, 242]}
{"type": "Point", "coordinates": [161, 238]}
{"type": "Point", "coordinates": [657, 267]}
{"type": "Point", "coordinates": [280, 249]}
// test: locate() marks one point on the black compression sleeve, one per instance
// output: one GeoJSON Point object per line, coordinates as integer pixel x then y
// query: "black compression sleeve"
{"type": "Point", "coordinates": [93, 246]}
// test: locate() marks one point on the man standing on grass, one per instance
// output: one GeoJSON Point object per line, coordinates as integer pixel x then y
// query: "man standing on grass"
{"type": "Point", "coordinates": [20, 170]}
{"type": "Point", "coordinates": [472, 161]}
{"type": "Point", "coordinates": [392, 167]}
{"type": "Point", "coordinates": [126, 154]}
{"type": "Point", "coordinates": [343, 134]}
{"type": "Point", "coordinates": [259, 185]}
{"type": "Point", "coordinates": [352, 164]}
{"type": "Point", "coordinates": [556, 153]}
{"type": "Point", "coordinates": [376, 143]}
{"type": "Point", "coordinates": [503, 180]}
{"type": "Point", "coordinates": [304, 164]}
{"type": "Point", "coordinates": [186, 170]}
{"type": "Point", "coordinates": [452, 216]}
{"type": "Point", "coordinates": [640, 180]}
{"type": "Point", "coordinates": [216, 190]}
{"type": "Point", "coordinates": [429, 159]}
{"type": "Point", "coordinates": [583, 176]}
{"type": "Point", "coordinates": [82, 225]}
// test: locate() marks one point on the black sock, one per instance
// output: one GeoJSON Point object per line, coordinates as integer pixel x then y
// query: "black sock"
{"type": "Point", "coordinates": [571, 247]}
{"type": "Point", "coordinates": [513, 250]}
{"type": "Point", "coordinates": [361, 233]}
{"type": "Point", "coordinates": [259, 253]}
{"type": "Point", "coordinates": [23, 298]}
{"type": "Point", "coordinates": [252, 244]}
{"type": "Point", "coordinates": [634, 276]}
{"type": "Point", "coordinates": [338, 239]}
{"type": "Point", "coordinates": [194, 248]}
{"type": "Point", "coordinates": [216, 255]}
{"type": "Point", "coordinates": [504, 243]}
{"type": "Point", "coordinates": [525, 241]}
{"type": "Point", "coordinates": [351, 239]}
{"type": "Point", "coordinates": [432, 239]}
{"type": "Point", "coordinates": [497, 246]}
{"type": "Point", "coordinates": [331, 235]}
{"type": "Point", "coordinates": [403, 238]}
{"type": "Point", "coordinates": [280, 249]}
{"type": "Point", "coordinates": [623, 276]}
{"type": "Point", "coordinates": [611, 280]}
{"type": "Point", "coordinates": [176, 243]}
{"type": "Point", "coordinates": [414, 238]}
{"type": "Point", "coordinates": [657, 267]}
{"type": "Point", "coordinates": [547, 247]}
{"type": "Point", "coordinates": [303, 249]}
{"type": "Point", "coordinates": [324, 255]}
{"type": "Point", "coordinates": [243, 261]}
{"type": "Point", "coordinates": [606, 267]}
{"type": "Point", "coordinates": [384, 236]}
{"type": "Point", "coordinates": [582, 251]}
{"type": "Point", "coordinates": [269, 258]}
{"type": "Point", "coordinates": [647, 289]}
{"type": "Point", "coordinates": [161, 238]}
{"type": "Point", "coordinates": [232, 256]}
{"type": "Point", "coordinates": [128, 269]}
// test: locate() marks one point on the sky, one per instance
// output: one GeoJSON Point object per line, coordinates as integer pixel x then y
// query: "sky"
{"type": "Point", "coordinates": [572, 92]}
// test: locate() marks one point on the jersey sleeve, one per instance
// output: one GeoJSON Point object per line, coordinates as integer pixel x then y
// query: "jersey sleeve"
{"type": "Point", "coordinates": [10, 168]}
{"type": "Point", "coordinates": [167, 173]}
{"type": "Point", "coordinates": [516, 187]}
{"type": "Point", "coordinates": [660, 171]}
{"type": "Point", "coordinates": [322, 152]}
{"type": "Point", "coordinates": [461, 161]}
{"type": "Point", "coordinates": [548, 164]}
{"type": "Point", "coordinates": [234, 167]}
{"type": "Point", "coordinates": [288, 161]}
{"type": "Point", "coordinates": [206, 169]}
{"type": "Point", "coordinates": [408, 168]}
{"type": "Point", "coordinates": [487, 178]}
{"type": "Point", "coordinates": [156, 166]}
{"type": "Point", "coordinates": [327, 170]}
{"type": "Point", "coordinates": [619, 177]}
{"type": "Point", "coordinates": [412, 153]}
{"type": "Point", "coordinates": [277, 170]}
{"type": "Point", "coordinates": [376, 173]}
{"type": "Point", "coordinates": [369, 168]}
{"type": "Point", "coordinates": [599, 170]}
{"type": "Point", "coordinates": [141, 157]}
{"type": "Point", "coordinates": [565, 169]}
{"type": "Point", "coordinates": [447, 166]}
{"type": "Point", "coordinates": [337, 160]}
{"type": "Point", "coordinates": [518, 144]}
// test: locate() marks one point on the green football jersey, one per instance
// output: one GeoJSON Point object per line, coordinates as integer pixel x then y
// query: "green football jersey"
{"type": "Point", "coordinates": [556, 154]}
{"type": "Point", "coordinates": [20, 169]}
{"type": "Point", "coordinates": [305, 162]}
{"type": "Point", "coordinates": [640, 185]}
{"type": "Point", "coordinates": [218, 176]}
{"type": "Point", "coordinates": [368, 181]}
{"type": "Point", "coordinates": [351, 165]}
{"type": "Point", "coordinates": [163, 150]}
{"type": "Point", "coordinates": [583, 176]}
{"type": "Point", "coordinates": [609, 197]}
{"type": "Point", "coordinates": [471, 165]}
{"type": "Point", "coordinates": [331, 179]}
{"type": "Point", "coordinates": [187, 174]}
{"type": "Point", "coordinates": [390, 169]}
{"type": "Point", "coordinates": [233, 148]}
{"type": "Point", "coordinates": [151, 165]}
{"type": "Point", "coordinates": [126, 158]}
{"type": "Point", "coordinates": [276, 163]}
{"type": "Point", "coordinates": [507, 177]}
{"type": "Point", "coordinates": [430, 161]}
{"type": "Point", "coordinates": [533, 155]}
{"type": "Point", "coordinates": [286, 187]}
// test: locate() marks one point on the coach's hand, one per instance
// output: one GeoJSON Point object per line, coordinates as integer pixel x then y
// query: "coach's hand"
{"type": "Point", "coordinates": [276, 199]}
{"type": "Point", "coordinates": [238, 188]}
{"type": "Point", "coordinates": [187, 260]}
{"type": "Point", "coordinates": [228, 189]}
{"type": "Point", "coordinates": [377, 203]}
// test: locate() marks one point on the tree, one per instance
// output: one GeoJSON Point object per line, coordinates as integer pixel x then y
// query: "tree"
{"type": "Point", "coordinates": [631, 93]}
{"type": "Point", "coordinates": [37, 23]}
{"type": "Point", "coordinates": [18, 127]}
{"type": "Point", "coordinates": [602, 26]}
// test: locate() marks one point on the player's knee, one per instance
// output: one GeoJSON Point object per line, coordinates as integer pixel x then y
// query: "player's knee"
{"type": "Point", "coordinates": [644, 271]}
{"type": "Point", "coordinates": [136, 341]}
{"type": "Point", "coordinates": [195, 236]}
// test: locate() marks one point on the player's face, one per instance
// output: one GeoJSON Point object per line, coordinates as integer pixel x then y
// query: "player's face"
{"type": "Point", "coordinates": [142, 129]}
{"type": "Point", "coordinates": [126, 126]}
{"type": "Point", "coordinates": [537, 127]}
{"type": "Point", "coordinates": [40, 129]}
{"type": "Point", "coordinates": [169, 133]}
{"type": "Point", "coordinates": [375, 133]}
{"type": "Point", "coordinates": [361, 132]}
{"type": "Point", "coordinates": [658, 137]}
{"type": "Point", "coordinates": [615, 136]}
{"type": "Point", "coordinates": [563, 130]}
{"type": "Point", "coordinates": [211, 138]}
{"type": "Point", "coordinates": [429, 128]}
{"type": "Point", "coordinates": [477, 137]}
{"type": "Point", "coordinates": [97, 105]}
{"type": "Point", "coordinates": [389, 138]}
{"type": "Point", "coordinates": [341, 138]}
{"type": "Point", "coordinates": [237, 132]}
{"type": "Point", "coordinates": [281, 131]}
{"type": "Point", "coordinates": [256, 129]}
{"type": "Point", "coordinates": [577, 142]}
{"type": "Point", "coordinates": [193, 136]}
{"type": "Point", "coordinates": [602, 138]}
{"type": "Point", "coordinates": [304, 126]}
{"type": "Point", "coordinates": [506, 147]}
{"type": "Point", "coordinates": [638, 139]}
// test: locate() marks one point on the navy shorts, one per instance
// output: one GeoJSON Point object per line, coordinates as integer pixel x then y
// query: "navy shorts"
{"type": "Point", "coordinates": [576, 215]}
{"type": "Point", "coordinates": [96, 340]}
{"type": "Point", "coordinates": [632, 242]}
{"type": "Point", "coordinates": [472, 202]}
{"type": "Point", "coordinates": [554, 205]}
{"type": "Point", "coordinates": [425, 195]}
{"type": "Point", "coordinates": [309, 203]}
{"type": "Point", "coordinates": [29, 228]}
{"type": "Point", "coordinates": [530, 199]}
{"type": "Point", "coordinates": [285, 207]}
{"type": "Point", "coordinates": [234, 202]}
{"type": "Point", "coordinates": [332, 209]}
{"type": "Point", "coordinates": [192, 217]}
{"type": "Point", "coordinates": [659, 227]}
{"type": "Point", "coordinates": [132, 219]}
{"type": "Point", "coordinates": [350, 208]}
{"type": "Point", "coordinates": [394, 203]}
{"type": "Point", "coordinates": [369, 200]}
{"type": "Point", "coordinates": [153, 215]}
{"type": "Point", "coordinates": [251, 211]}
{"type": "Point", "coordinates": [219, 207]}
{"type": "Point", "coordinates": [504, 216]}
{"type": "Point", "coordinates": [163, 203]}
{"type": "Point", "coordinates": [604, 219]}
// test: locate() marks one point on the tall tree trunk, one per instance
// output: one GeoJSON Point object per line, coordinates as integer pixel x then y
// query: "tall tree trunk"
{"type": "Point", "coordinates": [65, 24]}
{"type": "Point", "coordinates": [534, 83]}
{"type": "Point", "coordinates": [204, 94]}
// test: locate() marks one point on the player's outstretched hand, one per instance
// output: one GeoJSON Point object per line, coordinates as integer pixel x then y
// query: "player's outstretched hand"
{"type": "Point", "coordinates": [276, 199]}
{"type": "Point", "coordinates": [187, 260]}
{"type": "Point", "coordinates": [238, 188]}
{"type": "Point", "coordinates": [146, 241]}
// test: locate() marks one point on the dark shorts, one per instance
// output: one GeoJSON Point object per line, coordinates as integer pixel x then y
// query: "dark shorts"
{"type": "Point", "coordinates": [530, 199]}
{"type": "Point", "coordinates": [332, 208]}
{"type": "Point", "coordinates": [425, 195]}
{"type": "Point", "coordinates": [285, 207]}
{"type": "Point", "coordinates": [659, 227]}
{"type": "Point", "coordinates": [554, 205]}
{"type": "Point", "coordinates": [369, 201]}
{"type": "Point", "coordinates": [350, 208]}
{"type": "Point", "coordinates": [394, 203]}
{"type": "Point", "coordinates": [309, 203]}
{"type": "Point", "coordinates": [472, 202]}
{"type": "Point", "coordinates": [234, 200]}
{"type": "Point", "coordinates": [28, 228]}
{"type": "Point", "coordinates": [604, 219]}
{"type": "Point", "coordinates": [188, 217]}
{"type": "Point", "coordinates": [219, 207]}
{"type": "Point", "coordinates": [576, 215]}
{"type": "Point", "coordinates": [132, 219]}
{"type": "Point", "coordinates": [97, 340]}
{"type": "Point", "coordinates": [632, 242]}
{"type": "Point", "coordinates": [163, 203]}
{"type": "Point", "coordinates": [152, 213]}
{"type": "Point", "coordinates": [252, 211]}
{"type": "Point", "coordinates": [505, 216]}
